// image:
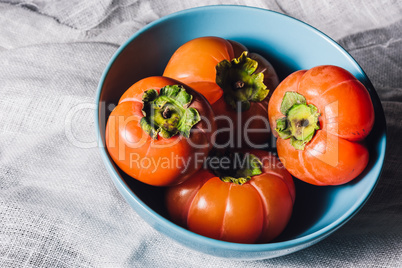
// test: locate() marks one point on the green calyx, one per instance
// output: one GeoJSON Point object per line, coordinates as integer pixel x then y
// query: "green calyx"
{"type": "Point", "coordinates": [300, 121]}
{"type": "Point", "coordinates": [167, 114]}
{"type": "Point", "coordinates": [237, 168]}
{"type": "Point", "coordinates": [239, 82]}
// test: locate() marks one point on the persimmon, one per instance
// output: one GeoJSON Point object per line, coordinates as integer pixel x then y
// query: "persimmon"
{"type": "Point", "coordinates": [321, 117]}
{"type": "Point", "coordinates": [244, 197]}
{"type": "Point", "coordinates": [160, 132]}
{"type": "Point", "coordinates": [235, 82]}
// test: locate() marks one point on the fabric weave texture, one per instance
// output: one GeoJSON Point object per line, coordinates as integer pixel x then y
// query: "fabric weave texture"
{"type": "Point", "coordinates": [58, 205]}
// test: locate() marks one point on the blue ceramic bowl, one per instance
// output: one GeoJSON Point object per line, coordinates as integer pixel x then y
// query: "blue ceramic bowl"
{"type": "Point", "coordinates": [289, 45]}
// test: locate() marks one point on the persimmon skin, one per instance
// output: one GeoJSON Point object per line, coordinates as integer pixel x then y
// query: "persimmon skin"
{"type": "Point", "coordinates": [195, 60]}
{"type": "Point", "coordinates": [194, 64]}
{"type": "Point", "coordinates": [336, 154]}
{"type": "Point", "coordinates": [255, 212]}
{"type": "Point", "coordinates": [161, 161]}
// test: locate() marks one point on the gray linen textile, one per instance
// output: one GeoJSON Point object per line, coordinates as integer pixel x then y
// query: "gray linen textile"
{"type": "Point", "coordinates": [58, 206]}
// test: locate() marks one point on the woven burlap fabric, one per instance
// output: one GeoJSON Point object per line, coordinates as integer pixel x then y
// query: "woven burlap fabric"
{"type": "Point", "coordinates": [58, 206]}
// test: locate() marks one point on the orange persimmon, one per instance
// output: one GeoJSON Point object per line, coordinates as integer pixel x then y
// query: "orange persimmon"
{"type": "Point", "coordinates": [321, 117]}
{"type": "Point", "coordinates": [160, 132]}
{"type": "Point", "coordinates": [243, 197]}
{"type": "Point", "coordinates": [235, 82]}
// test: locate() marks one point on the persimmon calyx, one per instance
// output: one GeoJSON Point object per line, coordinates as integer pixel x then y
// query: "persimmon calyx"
{"type": "Point", "coordinates": [239, 82]}
{"type": "Point", "coordinates": [236, 167]}
{"type": "Point", "coordinates": [300, 122]}
{"type": "Point", "coordinates": [168, 113]}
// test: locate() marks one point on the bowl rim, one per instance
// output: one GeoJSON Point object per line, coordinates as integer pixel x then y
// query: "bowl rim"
{"type": "Point", "coordinates": [182, 232]}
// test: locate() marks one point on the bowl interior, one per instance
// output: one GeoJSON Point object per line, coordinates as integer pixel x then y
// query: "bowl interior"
{"type": "Point", "coordinates": [289, 45]}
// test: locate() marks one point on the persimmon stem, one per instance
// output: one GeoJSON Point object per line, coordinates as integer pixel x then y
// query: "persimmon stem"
{"type": "Point", "coordinates": [235, 167]}
{"type": "Point", "coordinates": [239, 82]}
{"type": "Point", "coordinates": [300, 120]}
{"type": "Point", "coordinates": [167, 113]}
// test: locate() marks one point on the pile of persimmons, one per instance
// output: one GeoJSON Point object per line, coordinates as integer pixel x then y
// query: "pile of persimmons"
{"type": "Point", "coordinates": [203, 130]}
